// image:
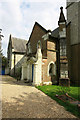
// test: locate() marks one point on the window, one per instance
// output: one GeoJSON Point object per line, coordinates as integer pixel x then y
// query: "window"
{"type": "Point", "coordinates": [62, 47]}
{"type": "Point", "coordinates": [51, 68]}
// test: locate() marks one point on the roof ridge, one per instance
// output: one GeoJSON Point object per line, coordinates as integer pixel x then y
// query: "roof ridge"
{"type": "Point", "coordinates": [19, 38]}
{"type": "Point", "coordinates": [40, 25]}
{"type": "Point", "coordinates": [36, 23]}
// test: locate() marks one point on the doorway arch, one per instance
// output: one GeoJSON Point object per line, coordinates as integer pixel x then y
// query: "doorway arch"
{"type": "Point", "coordinates": [51, 68]}
{"type": "Point", "coordinates": [52, 71]}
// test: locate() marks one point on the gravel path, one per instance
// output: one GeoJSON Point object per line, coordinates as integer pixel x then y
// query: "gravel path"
{"type": "Point", "coordinates": [22, 101]}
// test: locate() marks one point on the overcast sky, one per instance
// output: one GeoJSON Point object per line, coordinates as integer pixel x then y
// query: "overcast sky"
{"type": "Point", "coordinates": [17, 18]}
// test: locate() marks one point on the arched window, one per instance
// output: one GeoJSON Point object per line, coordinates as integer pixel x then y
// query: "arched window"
{"type": "Point", "coordinates": [51, 68]}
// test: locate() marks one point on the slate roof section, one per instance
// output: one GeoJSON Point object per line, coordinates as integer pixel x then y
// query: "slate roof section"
{"type": "Point", "coordinates": [19, 45]}
{"type": "Point", "coordinates": [55, 33]}
{"type": "Point", "coordinates": [62, 17]}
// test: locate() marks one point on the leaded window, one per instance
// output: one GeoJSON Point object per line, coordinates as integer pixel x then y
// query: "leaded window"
{"type": "Point", "coordinates": [62, 47]}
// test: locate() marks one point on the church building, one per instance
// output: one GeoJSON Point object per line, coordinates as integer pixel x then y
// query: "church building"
{"type": "Point", "coordinates": [15, 54]}
{"type": "Point", "coordinates": [46, 59]}
{"type": "Point", "coordinates": [49, 56]}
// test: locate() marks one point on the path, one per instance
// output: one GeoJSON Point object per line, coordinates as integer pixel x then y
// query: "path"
{"type": "Point", "coordinates": [22, 101]}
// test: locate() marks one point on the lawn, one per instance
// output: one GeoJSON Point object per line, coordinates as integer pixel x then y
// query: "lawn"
{"type": "Point", "coordinates": [52, 90]}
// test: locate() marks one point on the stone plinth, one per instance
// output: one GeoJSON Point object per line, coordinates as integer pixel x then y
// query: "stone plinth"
{"type": "Point", "coordinates": [64, 82]}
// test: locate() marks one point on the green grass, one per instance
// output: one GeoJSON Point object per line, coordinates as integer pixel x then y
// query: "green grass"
{"type": "Point", "coordinates": [52, 90]}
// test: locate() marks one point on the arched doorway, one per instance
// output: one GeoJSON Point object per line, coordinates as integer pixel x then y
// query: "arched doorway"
{"type": "Point", "coordinates": [52, 72]}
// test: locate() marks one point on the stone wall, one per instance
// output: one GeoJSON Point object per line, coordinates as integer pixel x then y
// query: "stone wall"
{"type": "Point", "coordinates": [75, 49]}
{"type": "Point", "coordinates": [12, 62]}
{"type": "Point", "coordinates": [9, 55]}
{"type": "Point", "coordinates": [24, 71]}
{"type": "Point", "coordinates": [16, 69]}
{"type": "Point", "coordinates": [72, 15]}
{"type": "Point", "coordinates": [44, 70]}
{"type": "Point", "coordinates": [73, 39]}
{"type": "Point", "coordinates": [18, 58]}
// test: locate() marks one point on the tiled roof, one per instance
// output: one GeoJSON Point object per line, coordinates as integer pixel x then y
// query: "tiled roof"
{"type": "Point", "coordinates": [19, 45]}
{"type": "Point", "coordinates": [62, 17]}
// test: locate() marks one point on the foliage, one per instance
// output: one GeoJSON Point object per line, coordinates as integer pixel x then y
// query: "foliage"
{"type": "Point", "coordinates": [52, 90]}
{"type": "Point", "coordinates": [4, 61]}
{"type": "Point", "coordinates": [1, 54]}
{"type": "Point", "coordinates": [18, 73]}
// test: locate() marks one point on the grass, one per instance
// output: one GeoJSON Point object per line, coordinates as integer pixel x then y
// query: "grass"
{"type": "Point", "coordinates": [52, 90]}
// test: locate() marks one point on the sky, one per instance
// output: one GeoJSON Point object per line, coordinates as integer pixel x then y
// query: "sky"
{"type": "Point", "coordinates": [17, 17]}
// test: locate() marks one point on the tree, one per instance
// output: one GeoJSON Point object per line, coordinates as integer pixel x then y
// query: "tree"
{"type": "Point", "coordinates": [1, 54]}
{"type": "Point", "coordinates": [0, 42]}
{"type": "Point", "coordinates": [4, 61]}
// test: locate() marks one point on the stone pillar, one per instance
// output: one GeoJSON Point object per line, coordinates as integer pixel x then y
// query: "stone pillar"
{"type": "Point", "coordinates": [30, 73]}
{"type": "Point", "coordinates": [37, 78]}
{"type": "Point", "coordinates": [63, 56]}
{"type": "Point", "coordinates": [35, 74]}
{"type": "Point", "coordinates": [24, 74]}
{"type": "Point", "coordinates": [27, 72]}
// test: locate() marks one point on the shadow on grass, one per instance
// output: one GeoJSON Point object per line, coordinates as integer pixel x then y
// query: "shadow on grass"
{"type": "Point", "coordinates": [51, 91]}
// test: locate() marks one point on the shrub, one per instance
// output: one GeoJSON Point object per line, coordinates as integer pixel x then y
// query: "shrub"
{"type": "Point", "coordinates": [18, 73]}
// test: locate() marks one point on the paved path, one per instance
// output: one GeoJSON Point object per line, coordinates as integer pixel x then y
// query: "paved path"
{"type": "Point", "coordinates": [22, 101]}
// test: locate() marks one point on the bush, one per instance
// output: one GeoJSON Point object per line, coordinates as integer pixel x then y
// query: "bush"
{"type": "Point", "coordinates": [18, 73]}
